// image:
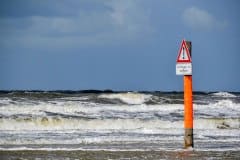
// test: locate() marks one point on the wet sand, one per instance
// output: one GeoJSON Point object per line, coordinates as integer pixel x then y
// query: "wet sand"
{"type": "Point", "coordinates": [118, 155]}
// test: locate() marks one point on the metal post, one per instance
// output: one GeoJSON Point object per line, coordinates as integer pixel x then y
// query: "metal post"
{"type": "Point", "coordinates": [188, 106]}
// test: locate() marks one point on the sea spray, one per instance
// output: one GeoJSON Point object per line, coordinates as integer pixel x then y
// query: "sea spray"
{"type": "Point", "coordinates": [116, 121]}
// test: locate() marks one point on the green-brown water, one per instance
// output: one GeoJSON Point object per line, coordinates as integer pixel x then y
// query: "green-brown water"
{"type": "Point", "coordinates": [119, 155]}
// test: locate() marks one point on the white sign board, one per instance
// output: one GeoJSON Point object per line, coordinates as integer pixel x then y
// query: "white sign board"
{"type": "Point", "coordinates": [184, 69]}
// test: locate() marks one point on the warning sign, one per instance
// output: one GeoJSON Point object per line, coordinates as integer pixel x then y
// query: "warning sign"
{"type": "Point", "coordinates": [184, 61]}
{"type": "Point", "coordinates": [184, 55]}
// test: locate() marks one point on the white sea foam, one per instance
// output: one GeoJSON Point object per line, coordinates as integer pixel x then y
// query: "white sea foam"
{"type": "Point", "coordinates": [79, 120]}
{"type": "Point", "coordinates": [129, 98]}
{"type": "Point", "coordinates": [98, 124]}
{"type": "Point", "coordinates": [5, 101]}
{"type": "Point", "coordinates": [115, 149]}
{"type": "Point", "coordinates": [222, 108]}
{"type": "Point", "coordinates": [223, 94]}
{"type": "Point", "coordinates": [83, 140]}
{"type": "Point", "coordinates": [74, 98]}
{"type": "Point", "coordinates": [49, 123]}
{"type": "Point", "coordinates": [226, 104]}
{"type": "Point", "coordinates": [83, 115]}
{"type": "Point", "coordinates": [84, 149]}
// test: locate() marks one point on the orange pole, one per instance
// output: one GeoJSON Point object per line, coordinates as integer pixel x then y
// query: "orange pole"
{"type": "Point", "coordinates": [188, 108]}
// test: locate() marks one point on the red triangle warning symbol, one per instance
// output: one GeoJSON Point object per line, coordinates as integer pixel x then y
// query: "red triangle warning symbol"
{"type": "Point", "coordinates": [184, 55]}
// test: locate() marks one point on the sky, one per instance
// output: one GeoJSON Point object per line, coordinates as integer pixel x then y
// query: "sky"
{"type": "Point", "coordinates": [118, 44]}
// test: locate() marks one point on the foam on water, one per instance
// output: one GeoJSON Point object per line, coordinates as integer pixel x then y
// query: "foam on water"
{"type": "Point", "coordinates": [80, 115]}
{"type": "Point", "coordinates": [129, 98]}
{"type": "Point", "coordinates": [223, 94]}
{"type": "Point", "coordinates": [55, 123]}
{"type": "Point", "coordinates": [89, 120]}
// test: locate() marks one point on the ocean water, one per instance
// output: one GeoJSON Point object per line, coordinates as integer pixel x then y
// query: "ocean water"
{"type": "Point", "coordinates": [116, 122]}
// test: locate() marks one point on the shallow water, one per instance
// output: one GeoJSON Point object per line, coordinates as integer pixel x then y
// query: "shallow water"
{"type": "Point", "coordinates": [120, 155]}
{"type": "Point", "coordinates": [117, 124]}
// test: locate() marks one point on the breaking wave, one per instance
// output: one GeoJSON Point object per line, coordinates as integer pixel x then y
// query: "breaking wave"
{"type": "Point", "coordinates": [56, 123]}
{"type": "Point", "coordinates": [114, 119]}
{"type": "Point", "coordinates": [223, 94]}
{"type": "Point", "coordinates": [128, 98]}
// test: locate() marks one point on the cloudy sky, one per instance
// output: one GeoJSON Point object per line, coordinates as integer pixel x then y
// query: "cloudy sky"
{"type": "Point", "coordinates": [118, 44]}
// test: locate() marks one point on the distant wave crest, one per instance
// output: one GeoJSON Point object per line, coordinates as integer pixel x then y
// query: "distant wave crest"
{"type": "Point", "coordinates": [223, 94]}
{"type": "Point", "coordinates": [128, 98]}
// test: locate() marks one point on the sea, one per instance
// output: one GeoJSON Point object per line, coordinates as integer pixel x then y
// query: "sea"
{"type": "Point", "coordinates": [94, 124]}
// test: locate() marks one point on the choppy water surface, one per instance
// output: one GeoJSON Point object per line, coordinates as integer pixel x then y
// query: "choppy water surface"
{"type": "Point", "coordinates": [124, 121]}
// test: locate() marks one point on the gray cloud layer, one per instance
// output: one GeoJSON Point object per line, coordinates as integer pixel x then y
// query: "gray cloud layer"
{"type": "Point", "coordinates": [200, 19]}
{"type": "Point", "coordinates": [70, 24]}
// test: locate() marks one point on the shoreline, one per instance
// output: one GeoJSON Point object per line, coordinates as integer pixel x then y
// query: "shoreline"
{"type": "Point", "coordinates": [103, 154]}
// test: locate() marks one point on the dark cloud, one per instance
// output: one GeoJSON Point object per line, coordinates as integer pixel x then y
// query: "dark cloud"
{"type": "Point", "coordinates": [46, 8]}
{"type": "Point", "coordinates": [74, 23]}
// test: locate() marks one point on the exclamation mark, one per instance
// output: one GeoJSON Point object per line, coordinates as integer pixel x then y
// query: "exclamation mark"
{"type": "Point", "coordinates": [183, 55]}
